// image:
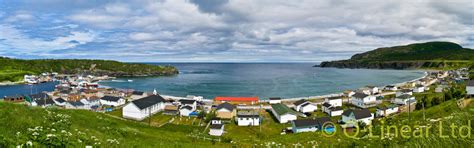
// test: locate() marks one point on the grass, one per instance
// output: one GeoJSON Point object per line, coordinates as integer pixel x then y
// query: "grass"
{"type": "Point", "coordinates": [183, 133]}
{"type": "Point", "coordinates": [9, 75]}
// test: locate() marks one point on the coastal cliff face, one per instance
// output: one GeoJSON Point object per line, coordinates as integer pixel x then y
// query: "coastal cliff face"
{"type": "Point", "coordinates": [437, 55]}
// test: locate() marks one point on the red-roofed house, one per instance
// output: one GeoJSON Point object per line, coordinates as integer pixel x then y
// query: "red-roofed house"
{"type": "Point", "coordinates": [237, 100]}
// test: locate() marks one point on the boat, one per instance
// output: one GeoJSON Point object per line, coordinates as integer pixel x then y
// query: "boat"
{"type": "Point", "coordinates": [130, 80]}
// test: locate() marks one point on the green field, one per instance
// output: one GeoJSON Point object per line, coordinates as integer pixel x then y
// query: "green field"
{"type": "Point", "coordinates": [90, 128]}
{"type": "Point", "coordinates": [13, 75]}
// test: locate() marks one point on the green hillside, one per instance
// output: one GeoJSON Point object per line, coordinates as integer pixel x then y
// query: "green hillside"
{"type": "Point", "coordinates": [77, 128]}
{"type": "Point", "coordinates": [14, 69]}
{"type": "Point", "coordinates": [432, 55]}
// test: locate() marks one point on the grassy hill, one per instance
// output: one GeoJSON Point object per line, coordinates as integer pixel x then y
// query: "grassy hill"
{"type": "Point", "coordinates": [59, 127]}
{"type": "Point", "coordinates": [14, 69]}
{"type": "Point", "coordinates": [437, 55]}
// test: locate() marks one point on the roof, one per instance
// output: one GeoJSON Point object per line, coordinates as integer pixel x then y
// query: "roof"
{"type": "Point", "coordinates": [306, 104]}
{"type": "Point", "coordinates": [60, 100]}
{"type": "Point", "coordinates": [76, 103]}
{"type": "Point", "coordinates": [275, 98]}
{"type": "Point", "coordinates": [248, 116]}
{"type": "Point", "coordinates": [236, 99]}
{"type": "Point", "coordinates": [360, 95]}
{"type": "Point", "coordinates": [390, 86]}
{"type": "Point", "coordinates": [39, 96]}
{"type": "Point", "coordinates": [470, 83]}
{"type": "Point", "coordinates": [216, 126]}
{"type": "Point", "coordinates": [334, 98]}
{"type": "Point", "coordinates": [405, 96]}
{"type": "Point", "coordinates": [187, 107]}
{"type": "Point", "coordinates": [137, 93]}
{"type": "Point", "coordinates": [185, 101]}
{"type": "Point", "coordinates": [358, 114]}
{"type": "Point", "coordinates": [110, 98]}
{"type": "Point", "coordinates": [42, 102]}
{"type": "Point", "coordinates": [171, 107]}
{"type": "Point", "coordinates": [225, 105]}
{"type": "Point", "coordinates": [405, 90]}
{"type": "Point", "coordinates": [311, 122]}
{"type": "Point", "coordinates": [337, 108]}
{"type": "Point", "coordinates": [283, 109]}
{"type": "Point", "coordinates": [148, 101]}
{"type": "Point", "coordinates": [325, 104]}
{"type": "Point", "coordinates": [300, 102]}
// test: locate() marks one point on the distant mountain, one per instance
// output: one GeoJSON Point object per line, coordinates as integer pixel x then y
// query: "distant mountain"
{"type": "Point", "coordinates": [420, 55]}
{"type": "Point", "coordinates": [14, 69]}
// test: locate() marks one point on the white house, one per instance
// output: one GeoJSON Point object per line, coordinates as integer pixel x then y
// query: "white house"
{"type": "Point", "coordinates": [352, 117]}
{"type": "Point", "coordinates": [363, 100]}
{"type": "Point", "coordinates": [60, 101]}
{"type": "Point", "coordinates": [197, 98]}
{"type": "Point", "coordinates": [186, 110]}
{"type": "Point", "coordinates": [334, 101]}
{"type": "Point", "coordinates": [404, 99]}
{"type": "Point", "coordinates": [248, 120]}
{"type": "Point", "coordinates": [75, 105]}
{"type": "Point", "coordinates": [305, 106]}
{"type": "Point", "coordinates": [373, 89]}
{"type": "Point", "coordinates": [391, 88]}
{"type": "Point", "coordinates": [470, 87]}
{"type": "Point", "coordinates": [141, 108]}
{"type": "Point", "coordinates": [283, 113]}
{"type": "Point", "coordinates": [308, 125]}
{"type": "Point", "coordinates": [274, 100]}
{"type": "Point", "coordinates": [112, 101]}
{"type": "Point", "coordinates": [216, 128]}
{"type": "Point", "coordinates": [332, 110]}
{"type": "Point", "coordinates": [186, 102]}
{"type": "Point", "coordinates": [403, 92]}
{"type": "Point", "coordinates": [419, 89]}
{"type": "Point", "coordinates": [386, 111]}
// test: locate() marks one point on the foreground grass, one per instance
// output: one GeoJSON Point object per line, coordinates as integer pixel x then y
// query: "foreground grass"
{"type": "Point", "coordinates": [109, 131]}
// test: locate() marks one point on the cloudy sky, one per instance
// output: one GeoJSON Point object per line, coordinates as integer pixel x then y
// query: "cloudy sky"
{"type": "Point", "coordinates": [226, 30]}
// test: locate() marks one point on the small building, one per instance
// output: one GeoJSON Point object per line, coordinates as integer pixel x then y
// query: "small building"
{"type": "Point", "coordinates": [404, 99]}
{"type": "Point", "coordinates": [170, 110]}
{"type": "Point", "coordinates": [274, 100]}
{"type": "Point", "coordinates": [225, 111]}
{"type": "Point", "coordinates": [309, 125]}
{"type": "Point", "coordinates": [112, 101]}
{"type": "Point", "coordinates": [363, 100]}
{"type": "Point", "coordinates": [186, 110]}
{"type": "Point", "coordinates": [60, 101]}
{"type": "Point", "coordinates": [386, 110]}
{"type": "Point", "coordinates": [237, 100]}
{"type": "Point", "coordinates": [186, 102]}
{"type": "Point", "coordinates": [334, 101]}
{"type": "Point", "coordinates": [141, 108]}
{"type": "Point", "coordinates": [137, 95]}
{"type": "Point", "coordinates": [305, 106]}
{"type": "Point", "coordinates": [75, 105]}
{"type": "Point", "coordinates": [419, 89]}
{"type": "Point", "coordinates": [404, 92]}
{"type": "Point", "coordinates": [40, 99]}
{"type": "Point", "coordinates": [283, 113]}
{"type": "Point", "coordinates": [335, 111]}
{"type": "Point", "coordinates": [216, 128]}
{"type": "Point", "coordinates": [352, 117]}
{"type": "Point", "coordinates": [248, 120]}
{"type": "Point", "coordinates": [391, 88]}
{"type": "Point", "coordinates": [470, 88]}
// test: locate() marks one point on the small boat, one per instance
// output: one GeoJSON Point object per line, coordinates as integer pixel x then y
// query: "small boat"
{"type": "Point", "coordinates": [130, 80]}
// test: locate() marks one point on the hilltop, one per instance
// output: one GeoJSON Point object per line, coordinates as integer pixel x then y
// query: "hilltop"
{"type": "Point", "coordinates": [437, 55]}
{"type": "Point", "coordinates": [14, 69]}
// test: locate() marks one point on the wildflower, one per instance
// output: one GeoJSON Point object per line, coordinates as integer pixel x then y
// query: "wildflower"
{"type": "Point", "coordinates": [29, 143]}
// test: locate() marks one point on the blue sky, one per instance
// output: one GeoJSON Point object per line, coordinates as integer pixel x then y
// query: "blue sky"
{"type": "Point", "coordinates": [225, 30]}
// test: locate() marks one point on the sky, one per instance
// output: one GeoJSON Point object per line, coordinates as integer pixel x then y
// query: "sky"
{"type": "Point", "coordinates": [225, 30]}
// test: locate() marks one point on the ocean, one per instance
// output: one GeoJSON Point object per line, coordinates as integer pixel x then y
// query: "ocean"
{"type": "Point", "coordinates": [287, 80]}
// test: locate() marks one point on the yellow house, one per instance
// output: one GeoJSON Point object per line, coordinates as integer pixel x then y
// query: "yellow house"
{"type": "Point", "coordinates": [226, 111]}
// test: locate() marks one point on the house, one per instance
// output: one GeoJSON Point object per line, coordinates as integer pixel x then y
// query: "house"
{"type": "Point", "coordinates": [237, 100]}
{"type": "Point", "coordinates": [93, 101]}
{"type": "Point", "coordinates": [192, 103]}
{"type": "Point", "coordinates": [112, 101]}
{"type": "Point", "coordinates": [419, 89]}
{"type": "Point", "coordinates": [334, 101]}
{"type": "Point", "coordinates": [225, 111]}
{"type": "Point", "coordinates": [404, 99]}
{"type": "Point", "coordinates": [470, 88]}
{"type": "Point", "coordinates": [248, 119]}
{"type": "Point", "coordinates": [186, 110]}
{"type": "Point", "coordinates": [141, 108]}
{"type": "Point", "coordinates": [391, 88]}
{"type": "Point", "coordinates": [305, 106]}
{"type": "Point", "coordinates": [403, 92]}
{"type": "Point", "coordinates": [283, 113]}
{"type": "Point", "coordinates": [15, 98]}
{"type": "Point", "coordinates": [138, 94]}
{"type": "Point", "coordinates": [216, 128]}
{"type": "Point", "coordinates": [75, 105]}
{"type": "Point", "coordinates": [386, 110]}
{"type": "Point", "coordinates": [364, 90]}
{"type": "Point", "coordinates": [171, 110]}
{"type": "Point", "coordinates": [60, 102]}
{"type": "Point", "coordinates": [352, 117]}
{"type": "Point", "coordinates": [274, 100]}
{"type": "Point", "coordinates": [332, 110]}
{"type": "Point", "coordinates": [41, 99]}
{"type": "Point", "coordinates": [348, 93]}
{"type": "Point", "coordinates": [309, 125]}
{"type": "Point", "coordinates": [373, 89]}
{"type": "Point", "coordinates": [197, 98]}
{"type": "Point", "coordinates": [363, 100]}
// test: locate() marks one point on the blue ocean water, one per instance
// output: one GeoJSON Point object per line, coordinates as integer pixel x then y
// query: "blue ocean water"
{"type": "Point", "coordinates": [261, 79]}
{"type": "Point", "coordinates": [26, 89]}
